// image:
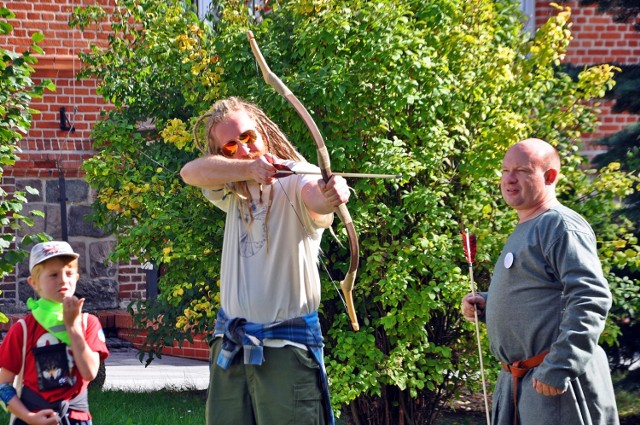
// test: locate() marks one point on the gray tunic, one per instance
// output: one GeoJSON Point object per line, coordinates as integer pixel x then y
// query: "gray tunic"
{"type": "Point", "coordinates": [548, 293]}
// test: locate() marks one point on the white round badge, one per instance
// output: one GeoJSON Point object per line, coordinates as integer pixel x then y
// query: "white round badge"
{"type": "Point", "coordinates": [508, 260]}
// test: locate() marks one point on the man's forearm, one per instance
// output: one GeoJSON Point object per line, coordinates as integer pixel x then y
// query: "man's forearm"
{"type": "Point", "coordinates": [214, 171]}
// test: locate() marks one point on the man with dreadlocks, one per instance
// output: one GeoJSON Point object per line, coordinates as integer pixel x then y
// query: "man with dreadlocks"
{"type": "Point", "coordinates": [270, 285]}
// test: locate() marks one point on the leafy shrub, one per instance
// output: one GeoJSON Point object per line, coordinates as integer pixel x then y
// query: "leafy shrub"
{"type": "Point", "coordinates": [16, 91]}
{"type": "Point", "coordinates": [436, 91]}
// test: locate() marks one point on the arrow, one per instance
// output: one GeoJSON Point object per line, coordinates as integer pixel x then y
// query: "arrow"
{"type": "Point", "coordinates": [284, 171]}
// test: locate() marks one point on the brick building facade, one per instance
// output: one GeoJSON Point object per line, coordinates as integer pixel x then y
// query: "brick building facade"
{"type": "Point", "coordinates": [51, 156]}
{"type": "Point", "coordinates": [597, 39]}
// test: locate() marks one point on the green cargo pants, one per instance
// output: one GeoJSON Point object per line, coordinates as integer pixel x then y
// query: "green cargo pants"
{"type": "Point", "coordinates": [284, 390]}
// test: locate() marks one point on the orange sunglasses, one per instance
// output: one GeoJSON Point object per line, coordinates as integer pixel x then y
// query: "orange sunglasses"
{"type": "Point", "coordinates": [230, 148]}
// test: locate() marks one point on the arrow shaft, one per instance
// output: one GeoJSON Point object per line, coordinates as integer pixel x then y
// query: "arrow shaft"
{"type": "Point", "coordinates": [358, 175]}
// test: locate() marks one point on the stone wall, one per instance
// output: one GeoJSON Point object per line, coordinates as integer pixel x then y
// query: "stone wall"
{"type": "Point", "coordinates": [98, 282]}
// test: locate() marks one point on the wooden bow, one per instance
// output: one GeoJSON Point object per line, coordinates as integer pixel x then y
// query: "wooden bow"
{"type": "Point", "coordinates": [325, 167]}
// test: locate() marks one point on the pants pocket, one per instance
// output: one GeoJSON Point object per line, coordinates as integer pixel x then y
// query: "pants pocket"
{"type": "Point", "coordinates": [308, 404]}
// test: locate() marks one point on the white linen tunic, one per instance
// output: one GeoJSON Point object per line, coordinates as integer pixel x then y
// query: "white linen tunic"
{"type": "Point", "coordinates": [266, 281]}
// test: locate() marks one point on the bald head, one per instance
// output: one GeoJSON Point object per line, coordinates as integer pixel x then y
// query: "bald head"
{"type": "Point", "coordinates": [541, 153]}
{"type": "Point", "coordinates": [530, 171]}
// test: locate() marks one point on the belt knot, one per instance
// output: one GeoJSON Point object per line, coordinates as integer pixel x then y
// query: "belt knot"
{"type": "Point", "coordinates": [519, 369]}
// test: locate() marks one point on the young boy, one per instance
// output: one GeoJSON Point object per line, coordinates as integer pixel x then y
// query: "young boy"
{"type": "Point", "coordinates": [64, 346]}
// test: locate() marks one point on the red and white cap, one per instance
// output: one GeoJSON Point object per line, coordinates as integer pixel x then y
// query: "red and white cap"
{"type": "Point", "coordinates": [46, 250]}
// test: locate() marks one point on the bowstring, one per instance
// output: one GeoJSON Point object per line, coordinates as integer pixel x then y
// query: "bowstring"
{"type": "Point", "coordinates": [321, 252]}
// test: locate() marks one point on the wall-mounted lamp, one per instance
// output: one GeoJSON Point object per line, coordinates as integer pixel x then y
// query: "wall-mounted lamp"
{"type": "Point", "coordinates": [65, 125]}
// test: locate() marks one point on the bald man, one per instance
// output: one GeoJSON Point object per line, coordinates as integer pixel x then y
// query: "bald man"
{"type": "Point", "coordinates": [546, 305]}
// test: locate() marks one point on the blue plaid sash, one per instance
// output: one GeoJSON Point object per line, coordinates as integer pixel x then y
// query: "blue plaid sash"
{"type": "Point", "coordinates": [239, 334]}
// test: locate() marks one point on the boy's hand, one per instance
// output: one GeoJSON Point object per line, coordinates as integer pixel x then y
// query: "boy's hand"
{"type": "Point", "coordinates": [86, 360]}
{"type": "Point", "coordinates": [43, 417]}
{"type": "Point", "coordinates": [72, 311]}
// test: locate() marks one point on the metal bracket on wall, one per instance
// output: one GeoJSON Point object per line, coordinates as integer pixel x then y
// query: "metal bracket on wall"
{"type": "Point", "coordinates": [65, 124]}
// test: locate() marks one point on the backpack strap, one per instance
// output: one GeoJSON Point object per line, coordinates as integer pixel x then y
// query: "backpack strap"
{"type": "Point", "coordinates": [19, 378]}
{"type": "Point", "coordinates": [17, 381]}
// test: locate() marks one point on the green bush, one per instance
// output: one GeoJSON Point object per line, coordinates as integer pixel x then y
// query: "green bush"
{"type": "Point", "coordinates": [435, 91]}
{"type": "Point", "coordinates": [16, 91]}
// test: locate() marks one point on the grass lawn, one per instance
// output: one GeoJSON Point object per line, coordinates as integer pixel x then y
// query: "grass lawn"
{"type": "Point", "coordinates": [146, 408]}
{"type": "Point", "coordinates": [164, 407]}
{"type": "Point", "coordinates": [170, 407]}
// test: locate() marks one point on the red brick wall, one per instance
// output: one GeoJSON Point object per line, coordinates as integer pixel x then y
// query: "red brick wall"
{"type": "Point", "coordinates": [597, 39]}
{"type": "Point", "coordinates": [132, 278]}
{"type": "Point", "coordinates": [123, 322]}
{"type": "Point", "coordinates": [46, 148]}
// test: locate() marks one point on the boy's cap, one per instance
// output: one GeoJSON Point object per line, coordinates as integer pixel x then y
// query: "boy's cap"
{"type": "Point", "coordinates": [46, 250]}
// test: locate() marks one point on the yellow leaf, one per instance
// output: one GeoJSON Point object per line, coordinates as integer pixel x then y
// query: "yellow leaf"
{"type": "Point", "coordinates": [620, 243]}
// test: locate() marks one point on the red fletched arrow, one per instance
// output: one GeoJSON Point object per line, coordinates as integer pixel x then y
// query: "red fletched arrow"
{"type": "Point", "coordinates": [283, 171]}
{"type": "Point", "coordinates": [469, 245]}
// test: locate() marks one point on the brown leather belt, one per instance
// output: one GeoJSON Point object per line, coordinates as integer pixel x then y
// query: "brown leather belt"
{"type": "Point", "coordinates": [518, 370]}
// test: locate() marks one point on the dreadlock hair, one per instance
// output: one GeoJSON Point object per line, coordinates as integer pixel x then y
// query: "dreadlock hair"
{"type": "Point", "coordinates": [275, 141]}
